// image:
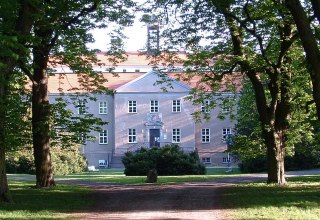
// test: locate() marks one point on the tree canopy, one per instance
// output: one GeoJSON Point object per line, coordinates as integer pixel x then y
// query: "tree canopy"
{"type": "Point", "coordinates": [36, 37]}
{"type": "Point", "coordinates": [258, 39]}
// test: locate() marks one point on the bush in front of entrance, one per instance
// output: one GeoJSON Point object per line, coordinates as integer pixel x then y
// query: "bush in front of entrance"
{"type": "Point", "coordinates": [167, 160]}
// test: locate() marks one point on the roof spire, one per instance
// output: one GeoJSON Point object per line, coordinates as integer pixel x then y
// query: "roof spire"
{"type": "Point", "coordinates": [153, 46]}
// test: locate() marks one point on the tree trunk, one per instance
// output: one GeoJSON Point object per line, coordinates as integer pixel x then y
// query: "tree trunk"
{"type": "Point", "coordinates": [41, 115]}
{"type": "Point", "coordinates": [4, 188]}
{"type": "Point", "coordinates": [40, 130]}
{"type": "Point", "coordinates": [275, 159]}
{"type": "Point", "coordinates": [310, 45]}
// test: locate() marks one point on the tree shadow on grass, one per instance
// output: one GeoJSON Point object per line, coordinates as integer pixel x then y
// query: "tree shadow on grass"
{"type": "Point", "coordinates": [28, 200]}
{"type": "Point", "coordinates": [301, 192]}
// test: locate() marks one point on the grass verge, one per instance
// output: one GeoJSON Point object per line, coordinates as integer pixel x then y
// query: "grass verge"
{"type": "Point", "coordinates": [50, 203]}
{"type": "Point", "coordinates": [118, 177]}
{"type": "Point", "coordinates": [300, 199]}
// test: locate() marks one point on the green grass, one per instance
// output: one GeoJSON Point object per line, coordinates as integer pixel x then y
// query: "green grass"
{"type": "Point", "coordinates": [51, 203]}
{"type": "Point", "coordinates": [300, 199]}
{"type": "Point", "coordinates": [118, 177]}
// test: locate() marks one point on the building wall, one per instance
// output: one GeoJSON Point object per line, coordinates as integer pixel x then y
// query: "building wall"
{"type": "Point", "coordinates": [93, 150]}
{"type": "Point", "coordinates": [216, 147]}
{"type": "Point", "coordinates": [142, 120]}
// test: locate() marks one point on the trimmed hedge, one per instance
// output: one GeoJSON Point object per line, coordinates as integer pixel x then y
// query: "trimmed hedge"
{"type": "Point", "coordinates": [167, 160]}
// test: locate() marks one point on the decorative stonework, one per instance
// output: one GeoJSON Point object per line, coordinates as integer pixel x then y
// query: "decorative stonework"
{"type": "Point", "coordinates": [154, 119]}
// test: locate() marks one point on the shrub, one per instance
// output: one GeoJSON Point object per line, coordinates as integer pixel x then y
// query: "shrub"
{"type": "Point", "coordinates": [298, 161]}
{"type": "Point", "coordinates": [254, 165]}
{"type": "Point", "coordinates": [167, 160]}
{"type": "Point", "coordinates": [64, 161]}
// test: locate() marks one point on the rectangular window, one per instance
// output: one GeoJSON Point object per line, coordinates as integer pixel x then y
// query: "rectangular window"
{"type": "Point", "coordinates": [176, 135]}
{"type": "Point", "coordinates": [103, 107]}
{"type": "Point", "coordinates": [205, 135]}
{"type": "Point", "coordinates": [225, 109]}
{"type": "Point", "coordinates": [82, 106]}
{"type": "Point", "coordinates": [154, 106]}
{"type": "Point", "coordinates": [83, 138]}
{"type": "Point", "coordinates": [103, 137]}
{"type": "Point", "coordinates": [176, 105]}
{"type": "Point", "coordinates": [226, 160]}
{"type": "Point", "coordinates": [132, 106]}
{"type": "Point", "coordinates": [226, 132]}
{"type": "Point", "coordinates": [205, 107]}
{"type": "Point", "coordinates": [103, 163]}
{"type": "Point", "coordinates": [206, 160]}
{"type": "Point", "coordinates": [132, 136]}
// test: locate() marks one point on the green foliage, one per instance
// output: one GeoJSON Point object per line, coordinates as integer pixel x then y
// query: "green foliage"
{"type": "Point", "coordinates": [302, 150]}
{"type": "Point", "coordinates": [167, 160]}
{"type": "Point", "coordinates": [254, 165]}
{"type": "Point", "coordinates": [69, 128]}
{"type": "Point", "coordinates": [21, 161]}
{"type": "Point", "coordinates": [17, 118]}
{"type": "Point", "coordinates": [66, 160]}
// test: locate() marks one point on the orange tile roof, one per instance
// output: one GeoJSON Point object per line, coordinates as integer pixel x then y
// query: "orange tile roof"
{"type": "Point", "coordinates": [69, 82]}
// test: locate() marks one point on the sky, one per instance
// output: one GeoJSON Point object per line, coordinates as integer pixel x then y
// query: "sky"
{"type": "Point", "coordinates": [136, 36]}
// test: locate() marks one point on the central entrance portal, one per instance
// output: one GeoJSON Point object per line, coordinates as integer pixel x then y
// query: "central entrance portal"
{"type": "Point", "coordinates": [154, 138]}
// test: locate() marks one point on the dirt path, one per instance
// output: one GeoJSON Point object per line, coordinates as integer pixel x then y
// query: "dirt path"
{"type": "Point", "coordinates": [195, 200]}
{"type": "Point", "coordinates": [177, 201]}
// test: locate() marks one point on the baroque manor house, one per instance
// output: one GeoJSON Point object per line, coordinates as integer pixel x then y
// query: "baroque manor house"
{"type": "Point", "coordinates": [141, 114]}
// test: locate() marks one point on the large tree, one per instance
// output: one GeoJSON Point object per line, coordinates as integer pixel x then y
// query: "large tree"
{"type": "Point", "coordinates": [16, 22]}
{"type": "Point", "coordinates": [254, 38]}
{"type": "Point", "coordinates": [61, 32]}
{"type": "Point", "coordinates": [304, 16]}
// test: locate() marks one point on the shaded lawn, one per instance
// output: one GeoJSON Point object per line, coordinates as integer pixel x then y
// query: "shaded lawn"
{"type": "Point", "coordinates": [50, 203]}
{"type": "Point", "coordinates": [300, 199]}
{"type": "Point", "coordinates": [118, 177]}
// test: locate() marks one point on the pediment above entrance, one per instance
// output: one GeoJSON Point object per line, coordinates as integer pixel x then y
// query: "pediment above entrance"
{"type": "Point", "coordinates": [149, 82]}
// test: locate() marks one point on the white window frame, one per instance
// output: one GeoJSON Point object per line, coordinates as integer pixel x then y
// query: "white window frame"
{"type": "Point", "coordinates": [176, 135]}
{"type": "Point", "coordinates": [206, 160]}
{"type": "Point", "coordinates": [154, 106]}
{"type": "Point", "coordinates": [132, 135]}
{"type": "Point", "coordinates": [103, 107]}
{"type": "Point", "coordinates": [226, 109]}
{"type": "Point", "coordinates": [103, 137]}
{"type": "Point", "coordinates": [83, 138]}
{"type": "Point", "coordinates": [205, 107]}
{"type": "Point", "coordinates": [225, 132]}
{"type": "Point", "coordinates": [132, 106]}
{"type": "Point", "coordinates": [205, 135]}
{"type": "Point", "coordinates": [176, 105]}
{"type": "Point", "coordinates": [103, 163]}
{"type": "Point", "coordinates": [82, 106]}
{"type": "Point", "coordinates": [225, 160]}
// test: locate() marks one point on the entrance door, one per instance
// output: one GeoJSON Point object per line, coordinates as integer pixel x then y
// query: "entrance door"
{"type": "Point", "coordinates": [154, 137]}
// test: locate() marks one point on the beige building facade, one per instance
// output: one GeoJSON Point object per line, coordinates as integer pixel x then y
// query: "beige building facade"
{"type": "Point", "coordinates": [141, 113]}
